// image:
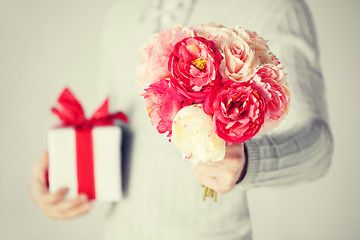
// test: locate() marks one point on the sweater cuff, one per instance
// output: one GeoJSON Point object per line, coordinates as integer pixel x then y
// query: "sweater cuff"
{"type": "Point", "coordinates": [253, 164]}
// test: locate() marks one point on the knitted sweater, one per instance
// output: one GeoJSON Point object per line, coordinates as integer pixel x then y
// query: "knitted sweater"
{"type": "Point", "coordinates": [162, 199]}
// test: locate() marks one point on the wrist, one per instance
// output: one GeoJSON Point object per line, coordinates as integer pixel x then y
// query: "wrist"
{"type": "Point", "coordinates": [243, 172]}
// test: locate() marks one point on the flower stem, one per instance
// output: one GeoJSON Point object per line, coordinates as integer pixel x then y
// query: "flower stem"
{"type": "Point", "coordinates": [204, 194]}
{"type": "Point", "coordinates": [208, 192]}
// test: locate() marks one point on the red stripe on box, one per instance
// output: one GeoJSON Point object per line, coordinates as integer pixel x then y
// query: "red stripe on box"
{"type": "Point", "coordinates": [85, 162]}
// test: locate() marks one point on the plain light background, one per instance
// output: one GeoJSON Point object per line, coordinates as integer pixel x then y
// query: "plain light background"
{"type": "Point", "coordinates": [46, 45]}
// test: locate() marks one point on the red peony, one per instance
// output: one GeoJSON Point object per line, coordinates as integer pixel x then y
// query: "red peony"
{"type": "Point", "coordinates": [238, 111]}
{"type": "Point", "coordinates": [162, 103]}
{"type": "Point", "coordinates": [194, 66]}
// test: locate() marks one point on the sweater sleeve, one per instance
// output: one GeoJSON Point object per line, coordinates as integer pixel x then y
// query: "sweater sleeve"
{"type": "Point", "coordinates": [301, 148]}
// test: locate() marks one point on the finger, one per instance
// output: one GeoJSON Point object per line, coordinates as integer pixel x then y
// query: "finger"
{"type": "Point", "coordinates": [44, 162]}
{"type": "Point", "coordinates": [204, 179]}
{"type": "Point", "coordinates": [209, 163]}
{"type": "Point", "coordinates": [37, 190]}
{"type": "Point", "coordinates": [53, 198]}
{"type": "Point", "coordinates": [210, 182]}
{"type": "Point", "coordinates": [66, 209]}
{"type": "Point", "coordinates": [214, 183]}
{"type": "Point", "coordinates": [67, 205]}
{"type": "Point", "coordinates": [231, 165]}
{"type": "Point", "coordinates": [206, 170]}
{"type": "Point", "coordinates": [40, 168]}
{"type": "Point", "coordinates": [38, 183]}
{"type": "Point", "coordinates": [78, 210]}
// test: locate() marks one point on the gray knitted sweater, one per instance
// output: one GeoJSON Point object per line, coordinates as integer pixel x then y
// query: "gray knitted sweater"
{"type": "Point", "coordinates": [161, 198]}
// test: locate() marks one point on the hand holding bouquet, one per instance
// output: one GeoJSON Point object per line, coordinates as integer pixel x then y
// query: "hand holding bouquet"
{"type": "Point", "coordinates": [208, 86]}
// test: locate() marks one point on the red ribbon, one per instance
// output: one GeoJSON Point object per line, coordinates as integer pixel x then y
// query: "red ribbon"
{"type": "Point", "coordinates": [71, 113]}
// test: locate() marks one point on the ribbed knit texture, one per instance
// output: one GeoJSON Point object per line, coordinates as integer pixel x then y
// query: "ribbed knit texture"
{"type": "Point", "coordinates": [162, 199]}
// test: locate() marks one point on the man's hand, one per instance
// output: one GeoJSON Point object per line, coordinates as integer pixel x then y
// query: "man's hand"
{"type": "Point", "coordinates": [222, 176]}
{"type": "Point", "coordinates": [53, 204]}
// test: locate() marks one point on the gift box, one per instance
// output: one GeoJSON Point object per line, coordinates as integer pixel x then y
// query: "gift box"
{"type": "Point", "coordinates": [84, 154]}
{"type": "Point", "coordinates": [98, 175]}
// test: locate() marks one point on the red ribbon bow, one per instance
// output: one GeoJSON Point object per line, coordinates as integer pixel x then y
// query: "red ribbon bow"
{"type": "Point", "coordinates": [71, 113]}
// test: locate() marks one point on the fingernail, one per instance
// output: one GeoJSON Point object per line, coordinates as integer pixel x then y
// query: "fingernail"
{"type": "Point", "coordinates": [83, 198]}
{"type": "Point", "coordinates": [64, 190]}
{"type": "Point", "coordinates": [87, 205]}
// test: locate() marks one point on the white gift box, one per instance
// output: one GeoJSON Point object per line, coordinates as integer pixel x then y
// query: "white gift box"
{"type": "Point", "coordinates": [106, 160]}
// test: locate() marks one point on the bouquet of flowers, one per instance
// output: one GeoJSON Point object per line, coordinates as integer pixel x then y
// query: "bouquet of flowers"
{"type": "Point", "coordinates": [208, 85]}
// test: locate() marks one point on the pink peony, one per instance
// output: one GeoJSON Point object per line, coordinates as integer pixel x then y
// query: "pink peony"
{"type": "Point", "coordinates": [162, 103]}
{"type": "Point", "coordinates": [271, 71]}
{"type": "Point", "coordinates": [154, 56]}
{"type": "Point", "coordinates": [194, 66]}
{"type": "Point", "coordinates": [213, 32]}
{"type": "Point", "coordinates": [259, 44]}
{"type": "Point", "coordinates": [239, 62]}
{"type": "Point", "coordinates": [269, 81]}
{"type": "Point", "coordinates": [238, 111]}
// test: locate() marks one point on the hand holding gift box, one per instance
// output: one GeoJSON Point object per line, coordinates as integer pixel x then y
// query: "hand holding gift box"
{"type": "Point", "coordinates": [84, 154]}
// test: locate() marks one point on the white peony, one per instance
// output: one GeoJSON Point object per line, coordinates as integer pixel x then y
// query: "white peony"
{"type": "Point", "coordinates": [194, 135]}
